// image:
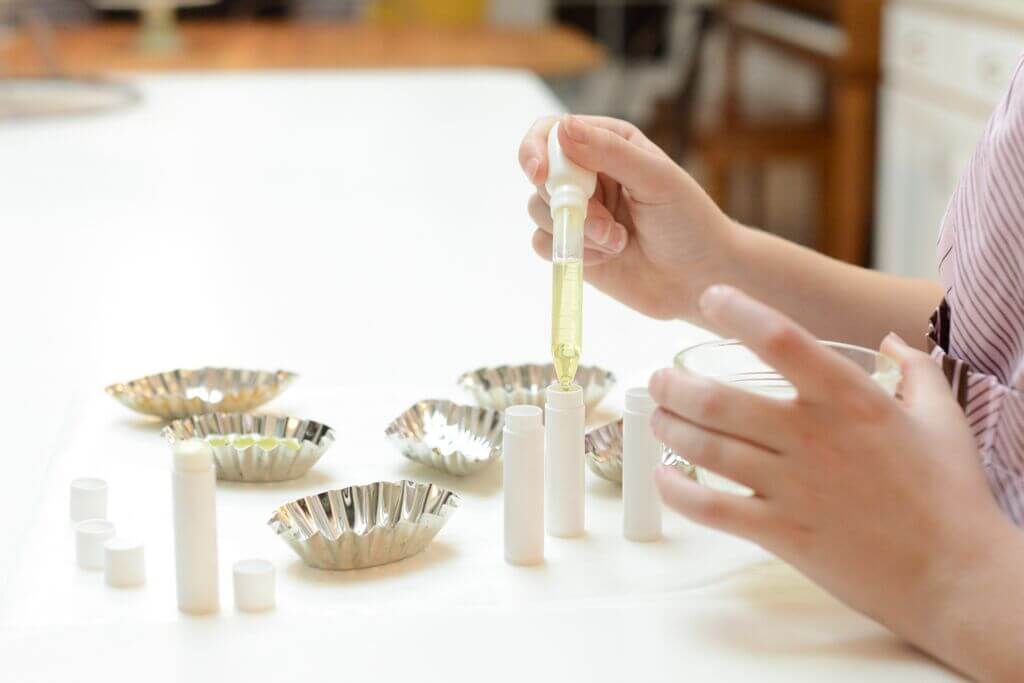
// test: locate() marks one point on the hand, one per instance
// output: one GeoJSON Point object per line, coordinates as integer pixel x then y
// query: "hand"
{"type": "Point", "coordinates": [883, 502]}
{"type": "Point", "coordinates": [654, 239]}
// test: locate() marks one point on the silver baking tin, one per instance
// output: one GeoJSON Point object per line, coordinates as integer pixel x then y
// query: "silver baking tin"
{"type": "Point", "coordinates": [499, 387]}
{"type": "Point", "coordinates": [253, 462]}
{"type": "Point", "coordinates": [454, 438]}
{"type": "Point", "coordinates": [180, 393]}
{"type": "Point", "coordinates": [603, 449]}
{"type": "Point", "coordinates": [364, 526]}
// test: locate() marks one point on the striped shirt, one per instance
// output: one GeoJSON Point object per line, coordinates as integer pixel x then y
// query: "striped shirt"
{"type": "Point", "coordinates": [978, 332]}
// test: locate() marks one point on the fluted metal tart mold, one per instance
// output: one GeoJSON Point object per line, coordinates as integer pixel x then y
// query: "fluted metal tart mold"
{"type": "Point", "coordinates": [180, 393]}
{"type": "Point", "coordinates": [497, 388]}
{"type": "Point", "coordinates": [454, 438]}
{"type": "Point", "coordinates": [256, 448]}
{"type": "Point", "coordinates": [603, 449]}
{"type": "Point", "coordinates": [364, 526]}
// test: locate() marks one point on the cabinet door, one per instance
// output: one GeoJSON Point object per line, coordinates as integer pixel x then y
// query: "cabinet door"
{"type": "Point", "coordinates": [923, 150]}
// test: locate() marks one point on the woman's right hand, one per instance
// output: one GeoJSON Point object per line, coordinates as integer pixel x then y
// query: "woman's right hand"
{"type": "Point", "coordinates": [654, 239]}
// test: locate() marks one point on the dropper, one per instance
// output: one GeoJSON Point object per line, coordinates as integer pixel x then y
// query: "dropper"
{"type": "Point", "coordinates": [570, 188]}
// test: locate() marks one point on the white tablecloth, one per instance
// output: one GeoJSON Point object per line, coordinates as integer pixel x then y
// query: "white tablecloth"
{"type": "Point", "coordinates": [368, 231]}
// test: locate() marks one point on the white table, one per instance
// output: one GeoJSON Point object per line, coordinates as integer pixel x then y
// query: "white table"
{"type": "Point", "coordinates": [368, 231]}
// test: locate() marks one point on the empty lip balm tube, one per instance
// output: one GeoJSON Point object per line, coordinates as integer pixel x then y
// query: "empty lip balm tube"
{"type": "Point", "coordinates": [523, 463]}
{"type": "Point", "coordinates": [570, 188]}
{"type": "Point", "coordinates": [641, 456]}
{"type": "Point", "coordinates": [195, 527]}
{"type": "Point", "coordinates": [90, 535]}
{"type": "Point", "coordinates": [564, 461]}
{"type": "Point", "coordinates": [88, 499]}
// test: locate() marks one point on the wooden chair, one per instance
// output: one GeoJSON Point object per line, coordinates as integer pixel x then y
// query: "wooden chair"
{"type": "Point", "coordinates": [841, 38]}
{"type": "Point", "coordinates": [672, 124]}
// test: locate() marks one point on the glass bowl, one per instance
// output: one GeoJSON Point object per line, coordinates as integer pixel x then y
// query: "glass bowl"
{"type": "Point", "coordinates": [732, 362]}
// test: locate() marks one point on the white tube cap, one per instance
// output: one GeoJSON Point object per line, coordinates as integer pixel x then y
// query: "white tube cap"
{"type": "Point", "coordinates": [193, 455]}
{"type": "Point", "coordinates": [523, 418]}
{"type": "Point", "coordinates": [124, 563]}
{"type": "Point", "coordinates": [88, 499]}
{"type": "Point", "coordinates": [254, 585]}
{"type": "Point", "coordinates": [90, 535]}
{"type": "Point", "coordinates": [639, 401]}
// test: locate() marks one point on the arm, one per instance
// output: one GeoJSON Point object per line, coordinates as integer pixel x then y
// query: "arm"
{"type": "Point", "coordinates": [655, 240]}
{"type": "Point", "coordinates": [977, 624]}
{"type": "Point", "coordinates": [833, 300]}
{"type": "Point", "coordinates": [882, 502]}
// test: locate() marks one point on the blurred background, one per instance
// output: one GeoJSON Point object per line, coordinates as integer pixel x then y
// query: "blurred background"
{"type": "Point", "coordinates": [842, 124]}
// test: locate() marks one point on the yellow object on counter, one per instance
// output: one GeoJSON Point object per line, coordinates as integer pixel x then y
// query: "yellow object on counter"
{"type": "Point", "coordinates": [437, 12]}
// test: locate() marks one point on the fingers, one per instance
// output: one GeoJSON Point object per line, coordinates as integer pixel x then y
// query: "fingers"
{"type": "Point", "coordinates": [923, 382]}
{"type": "Point", "coordinates": [738, 515]}
{"type": "Point", "coordinates": [737, 460]}
{"type": "Point", "coordinates": [648, 174]}
{"type": "Point", "coordinates": [533, 150]}
{"type": "Point", "coordinates": [722, 408]}
{"type": "Point", "coordinates": [600, 229]}
{"type": "Point", "coordinates": [817, 372]}
{"type": "Point", "coordinates": [591, 256]}
{"type": "Point", "coordinates": [540, 212]}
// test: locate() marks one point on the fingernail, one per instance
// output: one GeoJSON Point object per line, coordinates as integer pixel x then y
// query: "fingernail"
{"type": "Point", "coordinates": [616, 241]}
{"type": "Point", "coordinates": [598, 230]}
{"type": "Point", "coordinates": [575, 129]}
{"type": "Point", "coordinates": [656, 382]}
{"type": "Point", "coordinates": [892, 336]}
{"type": "Point", "coordinates": [655, 421]}
{"type": "Point", "coordinates": [531, 168]}
{"type": "Point", "coordinates": [663, 475]}
{"type": "Point", "coordinates": [711, 296]}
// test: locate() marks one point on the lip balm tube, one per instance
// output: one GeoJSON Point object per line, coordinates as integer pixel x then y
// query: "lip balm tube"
{"type": "Point", "coordinates": [195, 527]}
{"type": "Point", "coordinates": [523, 463]}
{"type": "Point", "coordinates": [641, 455]}
{"type": "Point", "coordinates": [564, 461]}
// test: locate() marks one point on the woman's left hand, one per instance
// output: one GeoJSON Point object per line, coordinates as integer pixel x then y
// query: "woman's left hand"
{"type": "Point", "coordinates": [883, 502]}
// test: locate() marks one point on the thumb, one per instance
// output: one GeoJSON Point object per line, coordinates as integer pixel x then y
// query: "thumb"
{"type": "Point", "coordinates": [923, 382]}
{"type": "Point", "coordinates": [647, 174]}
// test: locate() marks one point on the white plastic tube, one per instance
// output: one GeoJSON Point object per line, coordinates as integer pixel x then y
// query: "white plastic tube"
{"type": "Point", "coordinates": [523, 462]}
{"type": "Point", "coordinates": [195, 527]}
{"type": "Point", "coordinates": [641, 455]}
{"type": "Point", "coordinates": [563, 461]}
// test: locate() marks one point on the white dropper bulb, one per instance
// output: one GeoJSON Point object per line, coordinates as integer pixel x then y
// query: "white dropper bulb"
{"type": "Point", "coordinates": [569, 184]}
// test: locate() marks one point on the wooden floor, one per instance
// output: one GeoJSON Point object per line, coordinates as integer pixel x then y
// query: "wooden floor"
{"type": "Point", "coordinates": [548, 51]}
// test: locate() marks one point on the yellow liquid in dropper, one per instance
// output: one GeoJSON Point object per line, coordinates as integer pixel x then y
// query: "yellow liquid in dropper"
{"type": "Point", "coordinates": [567, 304]}
{"type": "Point", "coordinates": [567, 319]}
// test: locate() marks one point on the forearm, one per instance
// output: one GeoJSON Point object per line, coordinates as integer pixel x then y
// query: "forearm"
{"type": "Point", "coordinates": [834, 300]}
{"type": "Point", "coordinates": [976, 624]}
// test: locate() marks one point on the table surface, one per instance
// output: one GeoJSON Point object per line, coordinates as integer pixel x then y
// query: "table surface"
{"type": "Point", "coordinates": [234, 45]}
{"type": "Point", "coordinates": [368, 231]}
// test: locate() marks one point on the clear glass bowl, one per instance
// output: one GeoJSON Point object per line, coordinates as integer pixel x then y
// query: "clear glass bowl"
{"type": "Point", "coordinates": [731, 362]}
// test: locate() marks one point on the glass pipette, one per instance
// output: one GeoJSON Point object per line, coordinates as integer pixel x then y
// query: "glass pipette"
{"type": "Point", "coordinates": [570, 188]}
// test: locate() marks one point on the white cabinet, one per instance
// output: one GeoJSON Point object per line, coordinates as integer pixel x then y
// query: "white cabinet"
{"type": "Point", "coordinates": [924, 147]}
{"type": "Point", "coordinates": [944, 72]}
